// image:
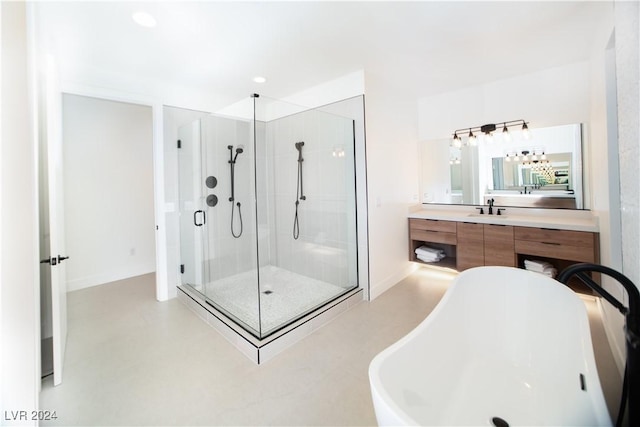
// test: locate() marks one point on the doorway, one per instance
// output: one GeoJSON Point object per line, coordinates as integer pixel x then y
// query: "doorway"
{"type": "Point", "coordinates": [108, 194]}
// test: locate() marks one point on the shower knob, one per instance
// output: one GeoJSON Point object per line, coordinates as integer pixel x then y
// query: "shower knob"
{"type": "Point", "coordinates": [211, 182]}
{"type": "Point", "coordinates": [212, 200]}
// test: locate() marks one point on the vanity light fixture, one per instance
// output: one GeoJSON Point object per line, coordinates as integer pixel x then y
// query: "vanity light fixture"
{"type": "Point", "coordinates": [488, 131]}
{"type": "Point", "coordinates": [472, 138]}
{"type": "Point", "coordinates": [532, 155]}
{"type": "Point", "coordinates": [505, 133]}
{"type": "Point", "coordinates": [526, 133]}
{"type": "Point", "coordinates": [457, 141]}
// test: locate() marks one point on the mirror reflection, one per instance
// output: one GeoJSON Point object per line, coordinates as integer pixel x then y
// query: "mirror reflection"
{"type": "Point", "coordinates": [544, 170]}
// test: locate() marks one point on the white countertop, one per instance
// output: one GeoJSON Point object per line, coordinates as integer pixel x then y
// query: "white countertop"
{"type": "Point", "coordinates": [559, 219]}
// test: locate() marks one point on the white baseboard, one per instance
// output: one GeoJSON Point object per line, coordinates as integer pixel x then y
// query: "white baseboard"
{"type": "Point", "coordinates": [379, 288]}
{"type": "Point", "coordinates": [110, 276]}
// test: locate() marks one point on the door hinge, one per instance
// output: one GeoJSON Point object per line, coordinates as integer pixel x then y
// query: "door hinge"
{"type": "Point", "coordinates": [179, 144]}
{"type": "Point", "coordinates": [181, 268]}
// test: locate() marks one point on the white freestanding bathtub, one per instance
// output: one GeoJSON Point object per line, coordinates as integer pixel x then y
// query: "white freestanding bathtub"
{"type": "Point", "coordinates": [504, 346]}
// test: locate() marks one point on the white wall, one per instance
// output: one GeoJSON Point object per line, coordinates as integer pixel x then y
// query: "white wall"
{"type": "Point", "coordinates": [555, 96]}
{"type": "Point", "coordinates": [392, 172]}
{"type": "Point", "coordinates": [19, 248]}
{"type": "Point", "coordinates": [108, 190]}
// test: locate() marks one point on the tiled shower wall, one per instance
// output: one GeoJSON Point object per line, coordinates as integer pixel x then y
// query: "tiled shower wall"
{"type": "Point", "coordinates": [627, 18]}
{"type": "Point", "coordinates": [326, 247]}
{"type": "Point", "coordinates": [228, 255]}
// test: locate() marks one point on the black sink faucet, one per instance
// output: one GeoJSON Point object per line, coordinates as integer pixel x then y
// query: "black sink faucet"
{"type": "Point", "coordinates": [490, 202]}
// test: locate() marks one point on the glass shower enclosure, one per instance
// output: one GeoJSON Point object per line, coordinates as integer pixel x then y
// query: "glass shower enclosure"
{"type": "Point", "coordinates": [267, 207]}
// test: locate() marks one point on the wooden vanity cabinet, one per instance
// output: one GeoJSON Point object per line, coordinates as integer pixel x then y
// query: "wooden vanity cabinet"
{"type": "Point", "coordinates": [435, 233]}
{"type": "Point", "coordinates": [578, 246]}
{"type": "Point", "coordinates": [470, 250]}
{"type": "Point", "coordinates": [470, 245]}
{"type": "Point", "coordinates": [499, 247]}
{"type": "Point", "coordinates": [561, 248]}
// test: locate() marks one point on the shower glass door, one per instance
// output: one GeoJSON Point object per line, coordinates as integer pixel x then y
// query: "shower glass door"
{"type": "Point", "coordinates": [192, 216]}
{"type": "Point", "coordinates": [231, 285]}
{"type": "Point", "coordinates": [217, 215]}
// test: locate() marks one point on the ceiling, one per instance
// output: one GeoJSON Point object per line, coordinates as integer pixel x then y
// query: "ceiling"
{"type": "Point", "coordinates": [420, 48]}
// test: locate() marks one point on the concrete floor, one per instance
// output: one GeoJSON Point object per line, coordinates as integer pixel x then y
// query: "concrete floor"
{"type": "Point", "coordinates": [134, 361]}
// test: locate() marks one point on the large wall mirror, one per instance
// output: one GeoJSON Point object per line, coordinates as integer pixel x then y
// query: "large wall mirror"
{"type": "Point", "coordinates": [543, 171]}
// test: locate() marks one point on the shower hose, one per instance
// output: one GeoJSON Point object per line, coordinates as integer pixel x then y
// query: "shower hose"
{"type": "Point", "coordinates": [232, 217]}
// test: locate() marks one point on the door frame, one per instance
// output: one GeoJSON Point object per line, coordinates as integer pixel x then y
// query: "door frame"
{"type": "Point", "coordinates": [162, 286]}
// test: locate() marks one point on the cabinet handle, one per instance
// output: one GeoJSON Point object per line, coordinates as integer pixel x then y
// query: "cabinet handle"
{"type": "Point", "coordinates": [551, 243]}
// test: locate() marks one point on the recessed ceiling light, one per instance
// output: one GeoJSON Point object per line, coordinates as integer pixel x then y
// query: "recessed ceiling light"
{"type": "Point", "coordinates": [259, 79]}
{"type": "Point", "coordinates": [144, 19]}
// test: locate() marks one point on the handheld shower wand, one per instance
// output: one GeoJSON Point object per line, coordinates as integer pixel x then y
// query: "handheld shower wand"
{"type": "Point", "coordinates": [239, 150]}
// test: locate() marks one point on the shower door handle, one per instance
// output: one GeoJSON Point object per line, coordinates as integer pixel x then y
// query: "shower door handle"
{"type": "Point", "coordinates": [195, 218]}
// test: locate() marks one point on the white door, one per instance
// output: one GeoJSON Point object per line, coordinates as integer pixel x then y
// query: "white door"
{"type": "Point", "coordinates": [52, 129]}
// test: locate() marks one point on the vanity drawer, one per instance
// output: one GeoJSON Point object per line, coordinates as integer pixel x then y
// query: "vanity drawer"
{"type": "Point", "coordinates": [558, 237]}
{"type": "Point", "coordinates": [470, 232]}
{"type": "Point", "coordinates": [432, 225]}
{"type": "Point", "coordinates": [433, 236]}
{"type": "Point", "coordinates": [556, 250]}
{"type": "Point", "coordinates": [501, 234]}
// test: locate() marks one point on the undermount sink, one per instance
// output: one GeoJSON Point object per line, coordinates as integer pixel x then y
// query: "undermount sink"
{"type": "Point", "coordinates": [494, 216]}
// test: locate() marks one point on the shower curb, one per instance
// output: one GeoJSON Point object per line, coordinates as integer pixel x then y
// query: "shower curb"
{"type": "Point", "coordinates": [262, 350]}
